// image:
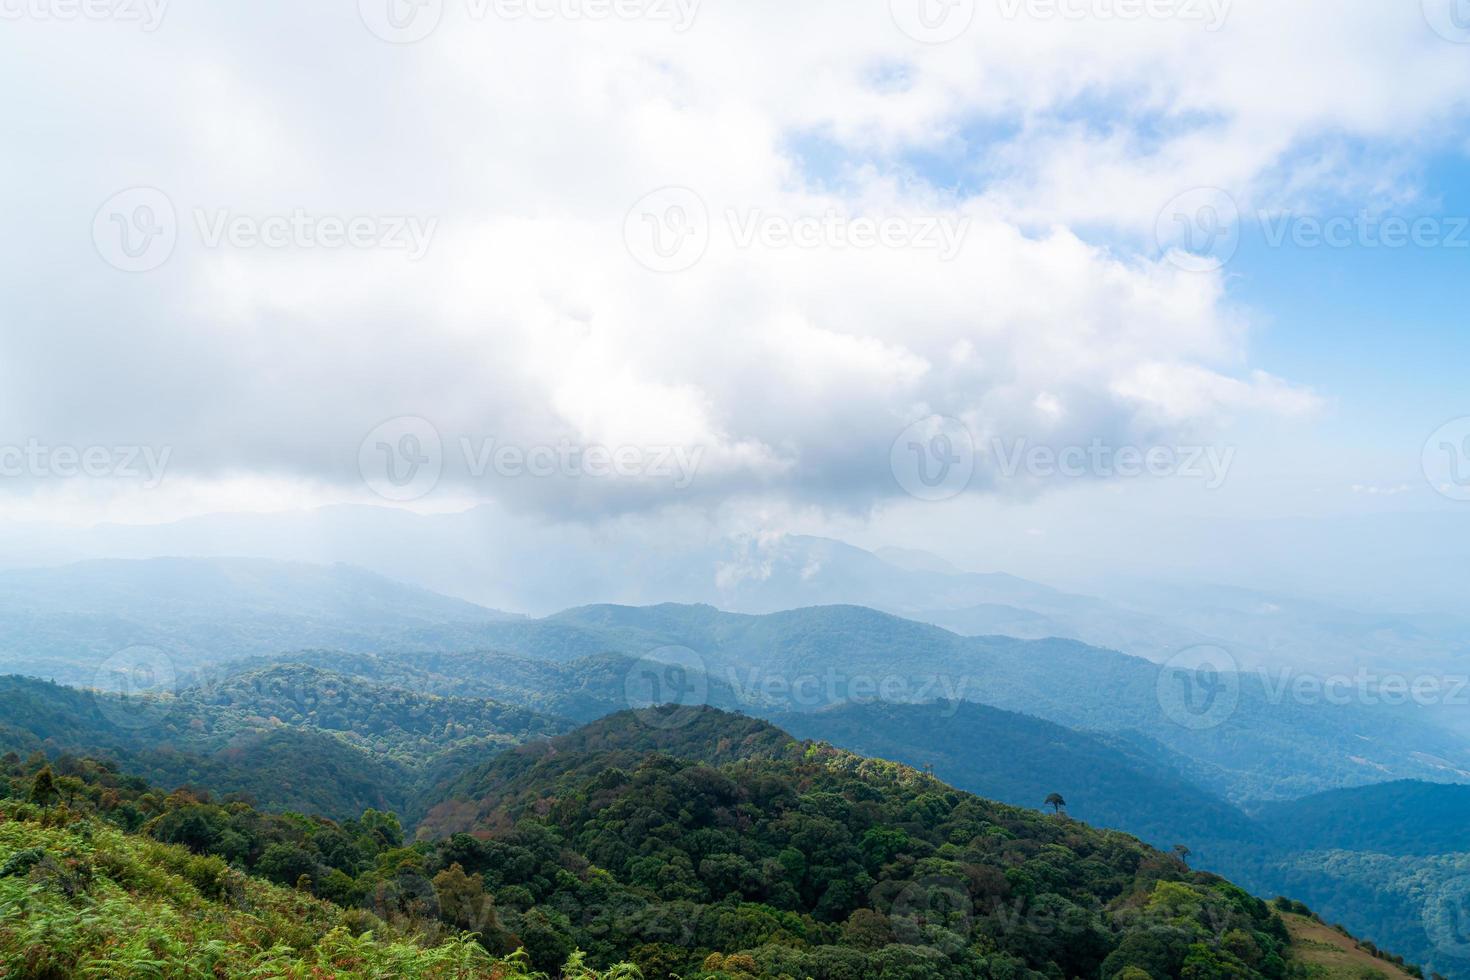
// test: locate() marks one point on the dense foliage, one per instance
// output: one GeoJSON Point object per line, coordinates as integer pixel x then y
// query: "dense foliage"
{"type": "Point", "coordinates": [580, 690]}
{"type": "Point", "coordinates": [715, 847]}
{"type": "Point", "coordinates": [1402, 817]}
{"type": "Point", "coordinates": [725, 846]}
{"type": "Point", "coordinates": [79, 898]}
{"type": "Point", "coordinates": [1019, 759]}
{"type": "Point", "coordinates": [288, 736]}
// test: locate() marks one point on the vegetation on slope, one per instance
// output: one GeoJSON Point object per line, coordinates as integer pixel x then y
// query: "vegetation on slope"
{"type": "Point", "coordinates": [287, 736]}
{"type": "Point", "coordinates": [718, 847]}
{"type": "Point", "coordinates": [1018, 759]}
{"type": "Point", "coordinates": [796, 859]}
{"type": "Point", "coordinates": [81, 898]}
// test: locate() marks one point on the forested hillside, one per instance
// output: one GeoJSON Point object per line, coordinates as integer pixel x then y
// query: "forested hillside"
{"type": "Point", "coordinates": [80, 897]}
{"type": "Point", "coordinates": [289, 737]}
{"type": "Point", "coordinates": [810, 860]}
{"type": "Point", "coordinates": [1018, 759]}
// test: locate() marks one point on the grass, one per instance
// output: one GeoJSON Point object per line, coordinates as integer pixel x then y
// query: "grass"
{"type": "Point", "coordinates": [79, 898]}
{"type": "Point", "coordinates": [1330, 955]}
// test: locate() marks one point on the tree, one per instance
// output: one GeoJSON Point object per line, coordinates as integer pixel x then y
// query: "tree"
{"type": "Point", "coordinates": [43, 788]}
{"type": "Point", "coordinates": [1056, 802]}
{"type": "Point", "coordinates": [1182, 853]}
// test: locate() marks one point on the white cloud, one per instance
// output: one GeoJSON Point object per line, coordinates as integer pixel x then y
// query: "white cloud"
{"type": "Point", "coordinates": [530, 322]}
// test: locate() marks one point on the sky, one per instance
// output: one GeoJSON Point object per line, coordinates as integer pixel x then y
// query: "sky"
{"type": "Point", "coordinates": [1038, 285]}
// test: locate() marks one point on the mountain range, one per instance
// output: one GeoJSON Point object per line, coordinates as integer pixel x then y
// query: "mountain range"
{"type": "Point", "coordinates": [1283, 796]}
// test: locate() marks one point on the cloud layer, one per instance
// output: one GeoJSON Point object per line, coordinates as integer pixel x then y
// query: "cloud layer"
{"type": "Point", "coordinates": [865, 231]}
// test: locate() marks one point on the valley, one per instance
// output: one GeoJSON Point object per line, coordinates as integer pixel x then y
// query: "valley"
{"type": "Point", "coordinates": [453, 741]}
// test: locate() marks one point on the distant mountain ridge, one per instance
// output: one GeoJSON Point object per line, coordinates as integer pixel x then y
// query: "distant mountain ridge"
{"type": "Point", "coordinates": [69, 622]}
{"type": "Point", "coordinates": [166, 619]}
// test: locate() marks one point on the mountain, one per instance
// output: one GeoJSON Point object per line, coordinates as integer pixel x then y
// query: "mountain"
{"type": "Point", "coordinates": [401, 734]}
{"type": "Point", "coordinates": [84, 898]}
{"type": "Point", "coordinates": [1409, 621]}
{"type": "Point", "coordinates": [105, 623]}
{"type": "Point", "coordinates": [809, 861]}
{"type": "Point", "coordinates": [288, 737]}
{"type": "Point", "coordinates": [579, 690]}
{"type": "Point", "coordinates": [1252, 741]}
{"type": "Point", "coordinates": [718, 849]}
{"type": "Point", "coordinates": [1021, 760]}
{"type": "Point", "coordinates": [1401, 818]}
{"type": "Point", "coordinates": [794, 858]}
